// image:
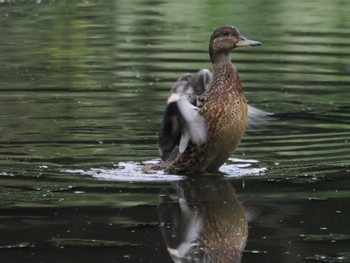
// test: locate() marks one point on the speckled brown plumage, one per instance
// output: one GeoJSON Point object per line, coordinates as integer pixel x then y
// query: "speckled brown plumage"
{"type": "Point", "coordinates": [223, 107]}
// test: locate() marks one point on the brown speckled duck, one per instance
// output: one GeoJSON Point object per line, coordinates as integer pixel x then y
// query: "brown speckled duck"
{"type": "Point", "coordinates": [206, 118]}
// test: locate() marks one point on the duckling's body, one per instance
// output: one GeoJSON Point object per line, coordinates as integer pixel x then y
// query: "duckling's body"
{"type": "Point", "coordinates": [222, 107]}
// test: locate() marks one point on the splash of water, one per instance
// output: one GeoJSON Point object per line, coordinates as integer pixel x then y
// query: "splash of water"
{"type": "Point", "coordinates": [132, 171]}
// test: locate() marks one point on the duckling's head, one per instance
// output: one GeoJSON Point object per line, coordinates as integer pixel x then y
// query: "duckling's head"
{"type": "Point", "coordinates": [226, 38]}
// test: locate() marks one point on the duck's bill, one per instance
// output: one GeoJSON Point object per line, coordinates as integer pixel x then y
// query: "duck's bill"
{"type": "Point", "coordinates": [243, 42]}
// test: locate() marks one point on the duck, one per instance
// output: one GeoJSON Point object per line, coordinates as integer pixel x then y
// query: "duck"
{"type": "Point", "coordinates": [206, 116]}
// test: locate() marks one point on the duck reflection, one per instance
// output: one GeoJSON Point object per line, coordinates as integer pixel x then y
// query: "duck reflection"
{"type": "Point", "coordinates": [206, 223]}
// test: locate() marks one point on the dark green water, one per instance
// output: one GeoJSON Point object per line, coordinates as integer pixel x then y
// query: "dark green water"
{"type": "Point", "coordinates": [83, 85]}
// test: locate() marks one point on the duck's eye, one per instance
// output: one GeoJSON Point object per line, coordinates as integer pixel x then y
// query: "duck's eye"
{"type": "Point", "coordinates": [225, 33]}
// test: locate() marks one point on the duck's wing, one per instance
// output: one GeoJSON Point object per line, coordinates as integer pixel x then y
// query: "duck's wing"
{"type": "Point", "coordinates": [182, 122]}
{"type": "Point", "coordinates": [194, 128]}
{"type": "Point", "coordinates": [258, 119]}
{"type": "Point", "coordinates": [202, 81]}
{"type": "Point", "coordinates": [170, 131]}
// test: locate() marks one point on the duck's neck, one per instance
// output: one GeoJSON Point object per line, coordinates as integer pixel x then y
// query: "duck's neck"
{"type": "Point", "coordinates": [225, 75]}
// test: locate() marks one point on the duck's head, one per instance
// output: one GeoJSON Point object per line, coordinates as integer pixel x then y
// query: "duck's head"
{"type": "Point", "coordinates": [226, 38]}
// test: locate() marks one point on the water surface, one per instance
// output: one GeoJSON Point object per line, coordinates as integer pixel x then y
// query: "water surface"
{"type": "Point", "coordinates": [83, 85]}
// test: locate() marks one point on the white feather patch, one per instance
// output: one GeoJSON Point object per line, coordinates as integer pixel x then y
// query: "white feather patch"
{"type": "Point", "coordinates": [195, 123]}
{"type": "Point", "coordinates": [173, 97]}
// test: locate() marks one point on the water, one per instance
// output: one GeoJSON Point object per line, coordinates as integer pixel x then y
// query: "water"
{"type": "Point", "coordinates": [83, 85]}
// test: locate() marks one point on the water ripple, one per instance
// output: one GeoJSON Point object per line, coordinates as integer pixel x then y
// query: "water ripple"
{"type": "Point", "coordinates": [132, 171]}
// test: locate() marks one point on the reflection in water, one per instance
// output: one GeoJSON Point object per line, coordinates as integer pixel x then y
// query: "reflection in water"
{"type": "Point", "coordinates": [206, 224]}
